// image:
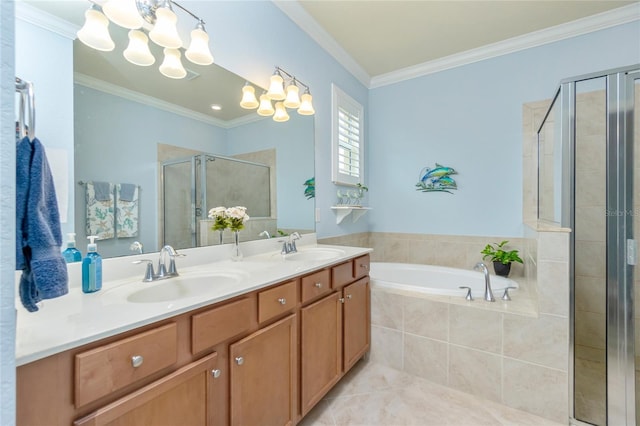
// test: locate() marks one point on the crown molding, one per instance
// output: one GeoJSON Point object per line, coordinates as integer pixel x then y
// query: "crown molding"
{"type": "Point", "coordinates": [131, 95]}
{"type": "Point", "coordinates": [575, 28]}
{"type": "Point", "coordinates": [309, 25]}
{"type": "Point", "coordinates": [27, 13]}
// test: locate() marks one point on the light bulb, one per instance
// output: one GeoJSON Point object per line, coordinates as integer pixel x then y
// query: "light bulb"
{"type": "Point", "coordinates": [293, 99]}
{"type": "Point", "coordinates": [306, 107]}
{"type": "Point", "coordinates": [281, 113]}
{"type": "Point", "coordinates": [265, 108]}
{"type": "Point", "coordinates": [164, 32]}
{"type": "Point", "coordinates": [172, 66]}
{"type": "Point", "coordinates": [124, 13]}
{"type": "Point", "coordinates": [137, 52]}
{"type": "Point", "coordinates": [249, 100]}
{"type": "Point", "coordinates": [276, 90]}
{"type": "Point", "coordinates": [95, 31]}
{"type": "Point", "coordinates": [198, 51]}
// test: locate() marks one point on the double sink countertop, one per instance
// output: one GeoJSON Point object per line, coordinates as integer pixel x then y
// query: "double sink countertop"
{"type": "Point", "coordinates": [207, 276]}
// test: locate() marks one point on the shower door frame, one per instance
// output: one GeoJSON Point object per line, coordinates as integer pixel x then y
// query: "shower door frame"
{"type": "Point", "coordinates": [620, 322]}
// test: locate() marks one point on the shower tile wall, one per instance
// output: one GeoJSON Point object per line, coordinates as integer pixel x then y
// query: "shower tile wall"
{"type": "Point", "coordinates": [590, 257]}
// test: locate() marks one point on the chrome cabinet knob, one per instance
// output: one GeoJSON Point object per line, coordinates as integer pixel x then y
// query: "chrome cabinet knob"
{"type": "Point", "coordinates": [341, 300]}
{"type": "Point", "coordinates": [282, 301]}
{"type": "Point", "coordinates": [137, 360]}
{"type": "Point", "coordinates": [215, 373]}
{"type": "Point", "coordinates": [318, 285]}
{"type": "Point", "coordinates": [349, 296]}
{"type": "Point", "coordinates": [239, 360]}
{"type": "Point", "coordinates": [366, 267]}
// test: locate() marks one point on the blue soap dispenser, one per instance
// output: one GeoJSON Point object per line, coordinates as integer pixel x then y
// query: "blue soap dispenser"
{"type": "Point", "coordinates": [71, 254]}
{"type": "Point", "coordinates": [92, 268]}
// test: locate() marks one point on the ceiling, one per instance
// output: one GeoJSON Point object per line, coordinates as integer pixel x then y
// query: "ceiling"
{"type": "Point", "coordinates": [384, 37]}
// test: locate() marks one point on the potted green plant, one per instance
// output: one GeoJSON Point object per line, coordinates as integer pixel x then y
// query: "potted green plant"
{"type": "Point", "coordinates": [500, 257]}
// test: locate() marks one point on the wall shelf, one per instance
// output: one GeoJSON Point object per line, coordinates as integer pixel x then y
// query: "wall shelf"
{"type": "Point", "coordinates": [344, 211]}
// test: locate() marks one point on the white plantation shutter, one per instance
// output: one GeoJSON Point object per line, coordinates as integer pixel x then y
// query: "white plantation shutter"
{"type": "Point", "coordinates": [348, 141]}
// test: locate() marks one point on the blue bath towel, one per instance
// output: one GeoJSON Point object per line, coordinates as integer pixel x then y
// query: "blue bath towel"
{"type": "Point", "coordinates": [38, 235]}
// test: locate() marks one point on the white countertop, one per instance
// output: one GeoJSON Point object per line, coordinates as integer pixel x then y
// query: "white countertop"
{"type": "Point", "coordinates": [78, 318]}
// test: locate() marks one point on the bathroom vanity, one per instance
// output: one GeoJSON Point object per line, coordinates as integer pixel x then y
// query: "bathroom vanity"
{"type": "Point", "coordinates": [261, 353]}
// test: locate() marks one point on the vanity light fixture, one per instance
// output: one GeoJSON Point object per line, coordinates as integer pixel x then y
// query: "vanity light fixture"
{"type": "Point", "coordinates": [287, 98]}
{"type": "Point", "coordinates": [161, 25]}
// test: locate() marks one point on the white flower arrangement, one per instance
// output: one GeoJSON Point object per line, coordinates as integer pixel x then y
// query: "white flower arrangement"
{"type": "Point", "coordinates": [218, 214]}
{"type": "Point", "coordinates": [232, 218]}
{"type": "Point", "coordinates": [236, 216]}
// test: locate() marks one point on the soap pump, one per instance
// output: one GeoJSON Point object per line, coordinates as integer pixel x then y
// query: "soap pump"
{"type": "Point", "coordinates": [71, 254]}
{"type": "Point", "coordinates": [92, 268]}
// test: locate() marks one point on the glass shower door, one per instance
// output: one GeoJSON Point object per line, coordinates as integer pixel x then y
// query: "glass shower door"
{"type": "Point", "coordinates": [178, 203]}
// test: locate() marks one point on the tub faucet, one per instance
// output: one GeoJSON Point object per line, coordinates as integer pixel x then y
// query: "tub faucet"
{"type": "Point", "coordinates": [265, 234]}
{"type": "Point", "coordinates": [488, 294]}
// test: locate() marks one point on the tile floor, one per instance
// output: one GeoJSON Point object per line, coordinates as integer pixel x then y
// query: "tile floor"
{"type": "Point", "coordinates": [376, 395]}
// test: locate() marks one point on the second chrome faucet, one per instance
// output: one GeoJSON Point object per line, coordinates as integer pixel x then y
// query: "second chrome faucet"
{"type": "Point", "coordinates": [163, 270]}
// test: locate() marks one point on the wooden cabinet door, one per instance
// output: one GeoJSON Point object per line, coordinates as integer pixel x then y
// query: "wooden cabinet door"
{"type": "Point", "coordinates": [357, 321]}
{"type": "Point", "coordinates": [320, 349]}
{"type": "Point", "coordinates": [263, 371]}
{"type": "Point", "coordinates": [181, 398]}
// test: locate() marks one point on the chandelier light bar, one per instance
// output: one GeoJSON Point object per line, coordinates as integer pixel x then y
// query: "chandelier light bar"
{"type": "Point", "coordinates": [288, 97]}
{"type": "Point", "coordinates": [132, 14]}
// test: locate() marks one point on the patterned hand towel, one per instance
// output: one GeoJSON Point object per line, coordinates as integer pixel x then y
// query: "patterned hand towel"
{"type": "Point", "coordinates": [38, 235]}
{"type": "Point", "coordinates": [100, 210]}
{"type": "Point", "coordinates": [127, 210]}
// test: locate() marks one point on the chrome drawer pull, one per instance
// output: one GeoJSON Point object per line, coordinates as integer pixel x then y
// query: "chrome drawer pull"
{"type": "Point", "coordinates": [282, 301]}
{"type": "Point", "coordinates": [366, 267]}
{"type": "Point", "coordinates": [215, 373]}
{"type": "Point", "coordinates": [137, 361]}
{"type": "Point", "coordinates": [319, 285]}
{"type": "Point", "coordinates": [239, 360]}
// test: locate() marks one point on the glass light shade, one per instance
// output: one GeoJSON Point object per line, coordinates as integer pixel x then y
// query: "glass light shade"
{"type": "Point", "coordinates": [249, 100]}
{"type": "Point", "coordinates": [164, 32]}
{"type": "Point", "coordinates": [198, 51]}
{"type": "Point", "coordinates": [281, 113]}
{"type": "Point", "coordinates": [172, 66]}
{"type": "Point", "coordinates": [95, 31]}
{"type": "Point", "coordinates": [293, 98]}
{"type": "Point", "coordinates": [124, 13]}
{"type": "Point", "coordinates": [265, 108]}
{"type": "Point", "coordinates": [276, 89]}
{"type": "Point", "coordinates": [137, 52]}
{"type": "Point", "coordinates": [306, 106]}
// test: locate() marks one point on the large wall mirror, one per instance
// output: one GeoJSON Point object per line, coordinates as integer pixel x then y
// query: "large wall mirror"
{"type": "Point", "coordinates": [135, 128]}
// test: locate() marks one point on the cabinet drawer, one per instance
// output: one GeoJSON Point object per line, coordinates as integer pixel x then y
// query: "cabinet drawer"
{"type": "Point", "coordinates": [276, 301]}
{"type": "Point", "coordinates": [218, 324]}
{"type": "Point", "coordinates": [361, 266]}
{"type": "Point", "coordinates": [105, 369]}
{"type": "Point", "coordinates": [315, 285]}
{"type": "Point", "coordinates": [342, 274]}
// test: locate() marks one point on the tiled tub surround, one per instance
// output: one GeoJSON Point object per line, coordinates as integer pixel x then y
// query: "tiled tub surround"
{"type": "Point", "coordinates": [515, 353]}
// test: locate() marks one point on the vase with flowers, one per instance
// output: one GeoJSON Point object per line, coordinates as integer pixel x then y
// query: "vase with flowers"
{"type": "Point", "coordinates": [235, 218]}
{"type": "Point", "coordinates": [217, 214]}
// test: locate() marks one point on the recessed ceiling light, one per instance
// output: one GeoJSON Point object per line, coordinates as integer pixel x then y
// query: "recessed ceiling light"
{"type": "Point", "coordinates": [216, 107]}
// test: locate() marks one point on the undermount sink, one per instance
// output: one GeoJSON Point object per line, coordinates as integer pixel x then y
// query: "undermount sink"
{"type": "Point", "coordinates": [314, 253]}
{"type": "Point", "coordinates": [180, 287]}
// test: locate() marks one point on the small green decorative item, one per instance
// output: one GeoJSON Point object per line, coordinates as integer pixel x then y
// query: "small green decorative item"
{"type": "Point", "coordinates": [500, 257]}
{"type": "Point", "coordinates": [310, 190]}
{"type": "Point", "coordinates": [437, 179]}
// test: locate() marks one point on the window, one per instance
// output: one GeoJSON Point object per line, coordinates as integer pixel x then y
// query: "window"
{"type": "Point", "coordinates": [347, 130]}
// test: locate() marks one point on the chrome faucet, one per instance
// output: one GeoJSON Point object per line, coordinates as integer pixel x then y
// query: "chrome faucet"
{"type": "Point", "coordinates": [265, 233]}
{"type": "Point", "coordinates": [290, 245]}
{"type": "Point", "coordinates": [488, 294]}
{"type": "Point", "coordinates": [171, 271]}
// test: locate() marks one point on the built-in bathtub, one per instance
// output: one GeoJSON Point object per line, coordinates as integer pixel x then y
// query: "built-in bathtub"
{"type": "Point", "coordinates": [436, 280]}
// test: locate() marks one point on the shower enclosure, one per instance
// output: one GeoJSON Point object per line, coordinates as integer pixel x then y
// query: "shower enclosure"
{"type": "Point", "coordinates": [588, 151]}
{"type": "Point", "coordinates": [193, 185]}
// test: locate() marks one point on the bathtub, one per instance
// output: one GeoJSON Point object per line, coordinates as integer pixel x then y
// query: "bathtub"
{"type": "Point", "coordinates": [436, 280]}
